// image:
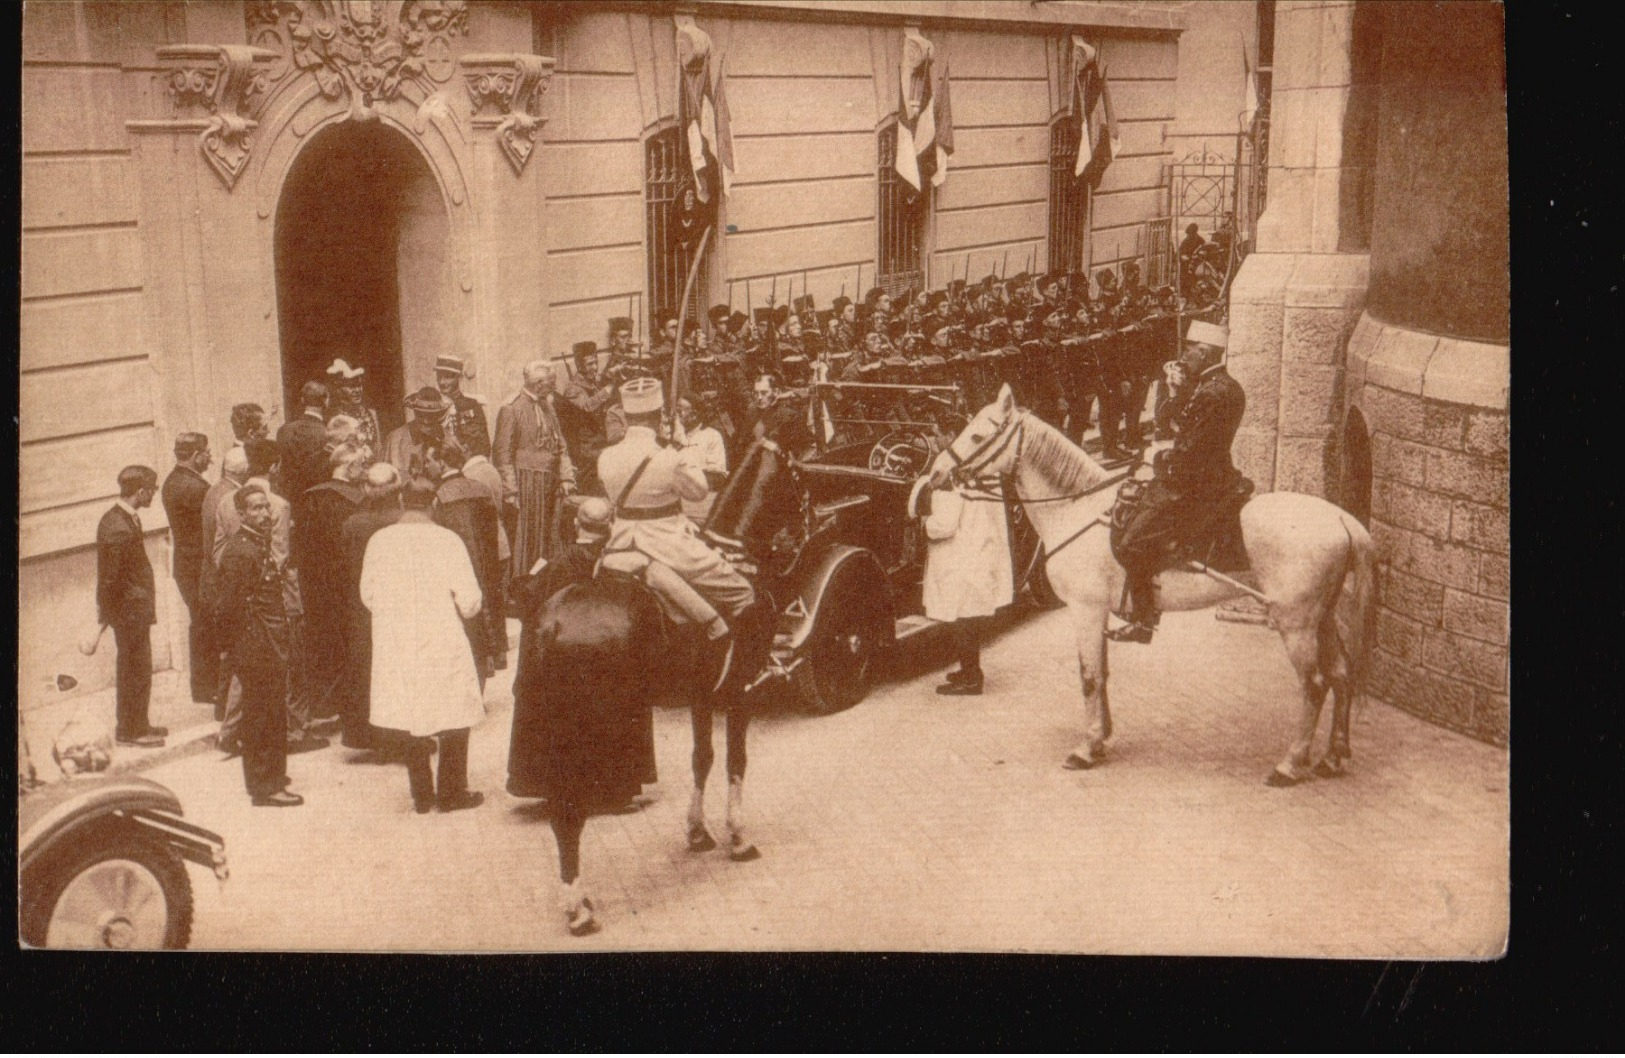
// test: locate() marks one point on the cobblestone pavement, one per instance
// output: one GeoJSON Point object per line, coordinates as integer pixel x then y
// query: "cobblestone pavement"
{"type": "Point", "coordinates": [916, 822]}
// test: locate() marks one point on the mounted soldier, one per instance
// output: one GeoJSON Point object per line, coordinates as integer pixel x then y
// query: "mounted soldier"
{"type": "Point", "coordinates": [1195, 480]}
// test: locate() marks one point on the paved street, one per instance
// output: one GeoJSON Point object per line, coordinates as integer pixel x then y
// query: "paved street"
{"type": "Point", "coordinates": [918, 822]}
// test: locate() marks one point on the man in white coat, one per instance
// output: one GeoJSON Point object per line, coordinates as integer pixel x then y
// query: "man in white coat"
{"type": "Point", "coordinates": [967, 572]}
{"type": "Point", "coordinates": [418, 582]}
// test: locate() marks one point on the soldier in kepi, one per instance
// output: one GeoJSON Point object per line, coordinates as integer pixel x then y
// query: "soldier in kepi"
{"type": "Point", "coordinates": [1191, 478]}
{"type": "Point", "coordinates": [465, 418]}
{"type": "Point", "coordinates": [647, 483]}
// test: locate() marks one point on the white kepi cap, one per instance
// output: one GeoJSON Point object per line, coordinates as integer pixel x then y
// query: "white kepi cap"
{"type": "Point", "coordinates": [641, 396]}
{"type": "Point", "coordinates": [1208, 334]}
{"type": "Point", "coordinates": [341, 370]}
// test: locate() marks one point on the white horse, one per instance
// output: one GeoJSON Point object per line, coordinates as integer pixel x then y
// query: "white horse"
{"type": "Point", "coordinates": [1302, 550]}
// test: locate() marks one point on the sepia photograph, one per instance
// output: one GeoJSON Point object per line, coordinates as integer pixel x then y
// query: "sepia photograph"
{"type": "Point", "coordinates": [966, 476]}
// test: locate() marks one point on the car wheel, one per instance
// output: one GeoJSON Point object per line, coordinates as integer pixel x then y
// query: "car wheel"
{"type": "Point", "coordinates": [115, 887]}
{"type": "Point", "coordinates": [840, 659]}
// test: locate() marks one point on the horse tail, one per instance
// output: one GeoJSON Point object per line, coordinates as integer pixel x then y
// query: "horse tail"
{"type": "Point", "coordinates": [1362, 625]}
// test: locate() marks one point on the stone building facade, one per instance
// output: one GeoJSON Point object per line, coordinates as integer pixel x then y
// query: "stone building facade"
{"type": "Point", "coordinates": [1371, 328]}
{"type": "Point", "coordinates": [219, 197]}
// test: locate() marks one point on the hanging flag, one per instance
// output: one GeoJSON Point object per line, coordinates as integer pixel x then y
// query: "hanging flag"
{"type": "Point", "coordinates": [924, 122]}
{"type": "Point", "coordinates": [944, 129]}
{"type": "Point", "coordinates": [1249, 97]}
{"type": "Point", "coordinates": [703, 115]}
{"type": "Point", "coordinates": [1098, 141]}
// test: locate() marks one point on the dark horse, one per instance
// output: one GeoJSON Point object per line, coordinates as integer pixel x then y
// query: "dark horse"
{"type": "Point", "coordinates": [595, 655]}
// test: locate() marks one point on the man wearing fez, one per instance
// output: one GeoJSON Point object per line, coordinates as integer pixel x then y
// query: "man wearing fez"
{"type": "Point", "coordinates": [348, 386]}
{"type": "Point", "coordinates": [535, 465]}
{"type": "Point", "coordinates": [586, 400]}
{"type": "Point", "coordinates": [1192, 477]}
{"type": "Point", "coordinates": [664, 347]}
{"type": "Point", "coordinates": [183, 493]}
{"type": "Point", "coordinates": [623, 355]}
{"type": "Point", "coordinates": [404, 448]}
{"type": "Point", "coordinates": [465, 416]}
{"type": "Point", "coordinates": [844, 330]}
{"type": "Point", "coordinates": [718, 316]}
{"type": "Point", "coordinates": [126, 600]}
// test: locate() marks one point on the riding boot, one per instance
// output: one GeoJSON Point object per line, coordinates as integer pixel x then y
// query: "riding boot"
{"type": "Point", "coordinates": [1142, 608]}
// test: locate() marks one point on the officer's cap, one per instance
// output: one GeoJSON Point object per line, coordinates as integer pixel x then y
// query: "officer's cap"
{"type": "Point", "coordinates": [343, 372]}
{"type": "Point", "coordinates": [453, 365]}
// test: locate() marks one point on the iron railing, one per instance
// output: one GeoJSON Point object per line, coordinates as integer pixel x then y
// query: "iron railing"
{"type": "Point", "coordinates": [901, 213]}
{"type": "Point", "coordinates": [669, 256]}
{"type": "Point", "coordinates": [1068, 199]}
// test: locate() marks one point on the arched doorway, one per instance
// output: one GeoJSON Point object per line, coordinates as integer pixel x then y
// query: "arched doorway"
{"type": "Point", "coordinates": [361, 271]}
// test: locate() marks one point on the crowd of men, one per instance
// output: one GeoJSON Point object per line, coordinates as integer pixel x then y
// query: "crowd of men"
{"type": "Point", "coordinates": [269, 558]}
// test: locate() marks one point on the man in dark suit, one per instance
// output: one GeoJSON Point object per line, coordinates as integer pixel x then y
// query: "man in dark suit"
{"type": "Point", "coordinates": [381, 490]}
{"type": "Point", "coordinates": [467, 509]}
{"type": "Point", "coordinates": [183, 495]}
{"type": "Point", "coordinates": [253, 624]}
{"type": "Point", "coordinates": [302, 444]}
{"type": "Point", "coordinates": [125, 599]}
{"type": "Point", "coordinates": [1192, 478]}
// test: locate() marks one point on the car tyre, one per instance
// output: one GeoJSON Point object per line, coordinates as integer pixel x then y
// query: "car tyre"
{"type": "Point", "coordinates": [113, 886]}
{"type": "Point", "coordinates": [838, 669]}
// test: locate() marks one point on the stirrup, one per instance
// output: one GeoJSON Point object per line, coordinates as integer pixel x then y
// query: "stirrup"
{"type": "Point", "coordinates": [1133, 632]}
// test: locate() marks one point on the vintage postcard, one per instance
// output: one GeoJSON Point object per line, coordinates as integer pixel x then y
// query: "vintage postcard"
{"type": "Point", "coordinates": [876, 475]}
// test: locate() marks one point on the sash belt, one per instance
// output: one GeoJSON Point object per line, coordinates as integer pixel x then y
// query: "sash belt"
{"type": "Point", "coordinates": [649, 514]}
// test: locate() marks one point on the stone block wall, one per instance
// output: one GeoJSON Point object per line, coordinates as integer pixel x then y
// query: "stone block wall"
{"type": "Point", "coordinates": [1440, 519]}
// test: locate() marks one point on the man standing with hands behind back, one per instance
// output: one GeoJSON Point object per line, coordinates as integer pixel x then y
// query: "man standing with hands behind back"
{"type": "Point", "coordinates": [125, 600]}
{"type": "Point", "coordinates": [183, 493]}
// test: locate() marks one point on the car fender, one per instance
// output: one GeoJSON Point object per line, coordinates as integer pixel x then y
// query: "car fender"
{"type": "Point", "coordinates": [812, 589]}
{"type": "Point", "coordinates": [56, 813]}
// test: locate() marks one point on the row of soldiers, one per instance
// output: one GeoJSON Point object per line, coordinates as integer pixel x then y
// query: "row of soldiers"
{"type": "Point", "coordinates": [1065, 344]}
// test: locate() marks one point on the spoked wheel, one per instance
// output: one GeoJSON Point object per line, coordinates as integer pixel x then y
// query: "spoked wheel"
{"type": "Point", "coordinates": [115, 889]}
{"type": "Point", "coordinates": [840, 659]}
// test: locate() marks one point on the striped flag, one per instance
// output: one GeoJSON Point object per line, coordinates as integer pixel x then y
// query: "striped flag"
{"type": "Point", "coordinates": [925, 134]}
{"type": "Point", "coordinates": [703, 114]}
{"type": "Point", "coordinates": [1098, 141]}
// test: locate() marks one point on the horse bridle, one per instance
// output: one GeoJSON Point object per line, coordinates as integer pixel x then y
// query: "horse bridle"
{"type": "Point", "coordinates": [1012, 429]}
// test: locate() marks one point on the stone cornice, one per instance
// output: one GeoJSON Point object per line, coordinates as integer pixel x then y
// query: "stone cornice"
{"type": "Point", "coordinates": [1013, 13]}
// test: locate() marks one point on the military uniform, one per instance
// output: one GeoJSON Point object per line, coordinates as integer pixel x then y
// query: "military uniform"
{"type": "Point", "coordinates": [1192, 478]}
{"type": "Point", "coordinates": [253, 627]}
{"type": "Point", "coordinates": [649, 514]}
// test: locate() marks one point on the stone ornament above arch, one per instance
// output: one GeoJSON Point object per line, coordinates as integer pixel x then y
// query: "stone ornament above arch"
{"type": "Point", "coordinates": [361, 51]}
{"type": "Point", "coordinates": [217, 85]}
{"type": "Point", "coordinates": [506, 92]}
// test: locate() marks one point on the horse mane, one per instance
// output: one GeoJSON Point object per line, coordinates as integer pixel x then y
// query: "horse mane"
{"type": "Point", "coordinates": [1063, 466]}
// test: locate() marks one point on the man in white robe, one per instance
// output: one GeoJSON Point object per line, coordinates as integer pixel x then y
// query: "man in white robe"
{"type": "Point", "coordinates": [968, 574]}
{"type": "Point", "coordinates": [419, 584]}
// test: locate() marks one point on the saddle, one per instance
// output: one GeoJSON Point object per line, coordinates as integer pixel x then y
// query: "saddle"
{"type": "Point", "coordinates": [678, 600]}
{"type": "Point", "coordinates": [1209, 534]}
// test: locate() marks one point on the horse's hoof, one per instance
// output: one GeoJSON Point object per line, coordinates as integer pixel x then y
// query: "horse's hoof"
{"type": "Point", "coordinates": [748, 854]}
{"type": "Point", "coordinates": [700, 840]}
{"type": "Point", "coordinates": [1281, 780]}
{"type": "Point", "coordinates": [1074, 762]}
{"type": "Point", "coordinates": [1329, 769]}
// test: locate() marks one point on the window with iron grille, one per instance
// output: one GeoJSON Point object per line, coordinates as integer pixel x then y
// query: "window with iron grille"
{"type": "Point", "coordinates": [670, 256]}
{"type": "Point", "coordinates": [900, 214]}
{"type": "Point", "coordinates": [1068, 198]}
